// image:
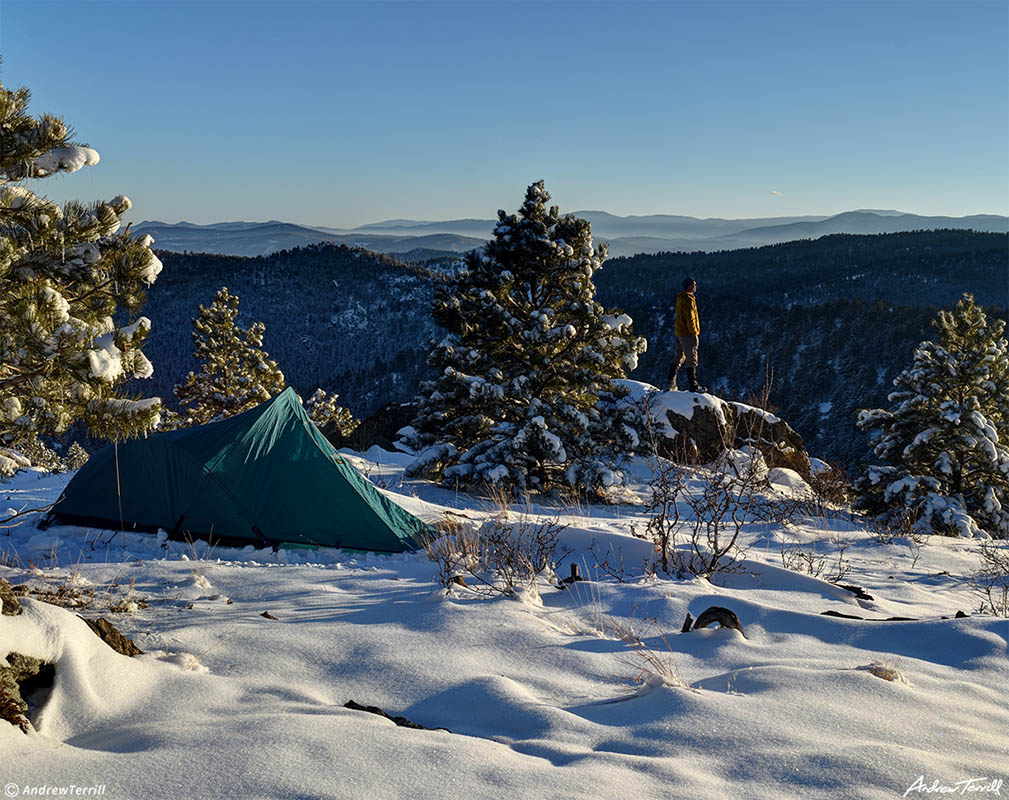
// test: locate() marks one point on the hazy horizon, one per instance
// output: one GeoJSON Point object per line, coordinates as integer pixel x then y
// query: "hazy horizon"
{"type": "Point", "coordinates": [392, 220]}
{"type": "Point", "coordinates": [339, 114]}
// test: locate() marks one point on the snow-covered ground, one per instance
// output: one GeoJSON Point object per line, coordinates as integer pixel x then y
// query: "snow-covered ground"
{"type": "Point", "coordinates": [538, 693]}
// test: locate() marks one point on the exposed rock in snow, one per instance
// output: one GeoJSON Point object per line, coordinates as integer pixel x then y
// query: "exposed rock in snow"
{"type": "Point", "coordinates": [9, 604]}
{"type": "Point", "coordinates": [19, 677]}
{"type": "Point", "coordinates": [703, 426]}
{"type": "Point", "coordinates": [109, 634]}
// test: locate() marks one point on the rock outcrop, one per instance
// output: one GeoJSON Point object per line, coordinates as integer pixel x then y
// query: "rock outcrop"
{"type": "Point", "coordinates": [699, 427]}
{"type": "Point", "coordinates": [10, 606]}
{"type": "Point", "coordinates": [20, 676]}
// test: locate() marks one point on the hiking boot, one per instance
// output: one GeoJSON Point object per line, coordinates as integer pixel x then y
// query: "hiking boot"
{"type": "Point", "coordinates": [671, 379]}
{"type": "Point", "coordinates": [692, 384]}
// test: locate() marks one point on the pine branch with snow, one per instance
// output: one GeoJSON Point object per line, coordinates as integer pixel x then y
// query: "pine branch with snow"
{"type": "Point", "coordinates": [942, 446]}
{"type": "Point", "coordinates": [71, 284]}
{"type": "Point", "coordinates": [525, 396]}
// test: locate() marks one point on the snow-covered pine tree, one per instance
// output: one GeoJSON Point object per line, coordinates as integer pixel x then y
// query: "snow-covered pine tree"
{"type": "Point", "coordinates": [942, 447]}
{"type": "Point", "coordinates": [235, 372]}
{"type": "Point", "coordinates": [329, 417]}
{"type": "Point", "coordinates": [70, 288]}
{"type": "Point", "coordinates": [524, 396]}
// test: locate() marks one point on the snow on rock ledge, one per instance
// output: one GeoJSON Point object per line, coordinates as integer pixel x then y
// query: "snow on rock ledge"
{"type": "Point", "coordinates": [701, 425]}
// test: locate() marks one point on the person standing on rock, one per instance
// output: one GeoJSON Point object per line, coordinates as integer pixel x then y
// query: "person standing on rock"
{"type": "Point", "coordinates": [687, 330]}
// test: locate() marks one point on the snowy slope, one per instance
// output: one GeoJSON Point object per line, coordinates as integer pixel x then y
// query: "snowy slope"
{"type": "Point", "coordinates": [539, 692]}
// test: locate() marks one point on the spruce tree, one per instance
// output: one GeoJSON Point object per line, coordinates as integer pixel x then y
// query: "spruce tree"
{"type": "Point", "coordinates": [524, 396]}
{"type": "Point", "coordinates": [235, 372]}
{"type": "Point", "coordinates": [71, 284]}
{"type": "Point", "coordinates": [943, 446]}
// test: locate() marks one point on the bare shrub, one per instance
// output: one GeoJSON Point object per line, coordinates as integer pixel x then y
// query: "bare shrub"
{"type": "Point", "coordinates": [665, 488]}
{"type": "Point", "coordinates": [499, 557]}
{"type": "Point", "coordinates": [728, 499]}
{"type": "Point", "coordinates": [730, 496]}
{"type": "Point", "coordinates": [831, 567]}
{"type": "Point", "coordinates": [611, 563]}
{"type": "Point", "coordinates": [779, 510]}
{"type": "Point", "coordinates": [832, 487]}
{"type": "Point", "coordinates": [991, 580]}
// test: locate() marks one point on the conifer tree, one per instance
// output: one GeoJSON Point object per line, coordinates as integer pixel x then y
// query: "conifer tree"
{"type": "Point", "coordinates": [71, 285]}
{"type": "Point", "coordinates": [524, 396]}
{"type": "Point", "coordinates": [943, 446]}
{"type": "Point", "coordinates": [235, 372]}
{"type": "Point", "coordinates": [329, 417]}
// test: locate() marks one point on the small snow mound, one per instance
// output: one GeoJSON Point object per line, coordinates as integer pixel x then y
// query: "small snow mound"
{"type": "Point", "coordinates": [786, 478]}
{"type": "Point", "coordinates": [529, 595]}
{"type": "Point", "coordinates": [187, 662]}
{"type": "Point", "coordinates": [92, 680]}
{"type": "Point", "coordinates": [198, 580]}
{"type": "Point", "coordinates": [652, 681]}
{"type": "Point", "coordinates": [816, 466]}
{"type": "Point", "coordinates": [885, 671]}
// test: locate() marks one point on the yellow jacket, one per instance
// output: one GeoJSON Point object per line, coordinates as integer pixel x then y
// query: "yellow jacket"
{"type": "Point", "coordinates": [687, 321]}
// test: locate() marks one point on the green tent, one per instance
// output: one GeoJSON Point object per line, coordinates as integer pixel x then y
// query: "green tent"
{"type": "Point", "coordinates": [264, 477]}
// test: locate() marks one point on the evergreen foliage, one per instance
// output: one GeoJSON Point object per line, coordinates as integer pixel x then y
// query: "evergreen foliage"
{"type": "Point", "coordinates": [329, 417]}
{"type": "Point", "coordinates": [523, 395]}
{"type": "Point", "coordinates": [71, 285]}
{"type": "Point", "coordinates": [235, 373]}
{"type": "Point", "coordinates": [942, 447]}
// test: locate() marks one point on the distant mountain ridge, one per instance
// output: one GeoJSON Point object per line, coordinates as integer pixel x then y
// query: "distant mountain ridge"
{"type": "Point", "coordinates": [872, 222]}
{"type": "Point", "coordinates": [625, 236]}
{"type": "Point", "coordinates": [266, 238]}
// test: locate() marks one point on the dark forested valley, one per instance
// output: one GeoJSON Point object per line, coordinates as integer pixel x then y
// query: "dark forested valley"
{"type": "Point", "coordinates": [832, 320]}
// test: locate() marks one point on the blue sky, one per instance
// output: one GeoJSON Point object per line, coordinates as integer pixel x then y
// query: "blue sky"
{"type": "Point", "coordinates": [341, 113]}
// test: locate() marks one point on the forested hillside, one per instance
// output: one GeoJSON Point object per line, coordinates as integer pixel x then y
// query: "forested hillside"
{"type": "Point", "coordinates": [336, 317]}
{"type": "Point", "coordinates": [835, 318]}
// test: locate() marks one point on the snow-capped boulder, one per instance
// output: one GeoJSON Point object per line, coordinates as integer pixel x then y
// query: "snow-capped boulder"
{"type": "Point", "coordinates": [788, 480]}
{"type": "Point", "coordinates": [702, 426]}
